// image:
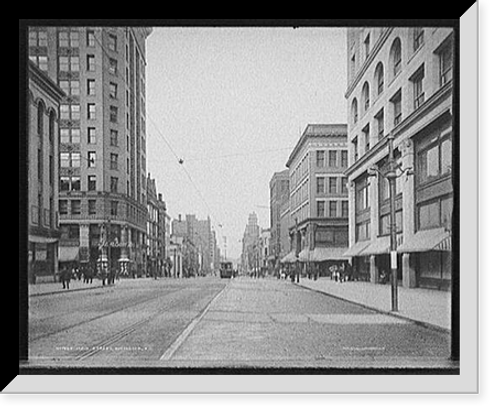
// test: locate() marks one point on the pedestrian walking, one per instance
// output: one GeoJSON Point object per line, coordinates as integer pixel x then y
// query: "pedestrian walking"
{"type": "Point", "coordinates": [87, 274]}
{"type": "Point", "coordinates": [65, 277]}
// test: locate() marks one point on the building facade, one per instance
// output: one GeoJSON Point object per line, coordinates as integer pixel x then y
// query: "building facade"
{"type": "Point", "coordinates": [318, 210]}
{"type": "Point", "coordinates": [102, 154]}
{"type": "Point", "coordinates": [250, 243]}
{"type": "Point", "coordinates": [44, 98]}
{"type": "Point", "coordinates": [199, 245]}
{"type": "Point", "coordinates": [279, 193]}
{"type": "Point", "coordinates": [157, 264]}
{"type": "Point", "coordinates": [400, 89]}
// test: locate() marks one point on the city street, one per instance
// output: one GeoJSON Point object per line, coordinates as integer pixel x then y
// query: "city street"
{"type": "Point", "coordinates": [213, 322]}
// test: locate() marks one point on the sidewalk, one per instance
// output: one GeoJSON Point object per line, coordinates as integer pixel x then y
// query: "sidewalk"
{"type": "Point", "coordinates": [56, 287]}
{"type": "Point", "coordinates": [430, 307]}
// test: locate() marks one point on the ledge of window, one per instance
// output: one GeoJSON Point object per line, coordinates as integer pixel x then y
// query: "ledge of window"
{"type": "Point", "coordinates": [432, 182]}
{"type": "Point", "coordinates": [415, 53]}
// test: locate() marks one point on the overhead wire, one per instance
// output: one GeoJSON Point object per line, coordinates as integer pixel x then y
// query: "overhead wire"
{"type": "Point", "coordinates": [151, 120]}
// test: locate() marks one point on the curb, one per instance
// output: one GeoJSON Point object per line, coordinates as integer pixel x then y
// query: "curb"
{"type": "Point", "coordinates": [65, 291]}
{"type": "Point", "coordinates": [388, 313]}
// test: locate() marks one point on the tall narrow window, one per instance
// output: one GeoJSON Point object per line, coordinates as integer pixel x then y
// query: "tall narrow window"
{"type": "Point", "coordinates": [396, 106]}
{"type": "Point", "coordinates": [91, 111]}
{"type": "Point", "coordinates": [332, 185]}
{"type": "Point", "coordinates": [40, 112]}
{"type": "Point", "coordinates": [91, 87]}
{"type": "Point", "coordinates": [365, 93]}
{"type": "Point", "coordinates": [332, 208]}
{"type": "Point", "coordinates": [112, 42]}
{"type": "Point", "coordinates": [74, 39]}
{"type": "Point", "coordinates": [366, 137]}
{"type": "Point", "coordinates": [445, 63]}
{"type": "Point", "coordinates": [113, 113]}
{"type": "Point", "coordinates": [354, 111]}
{"type": "Point", "coordinates": [379, 78]}
{"type": "Point", "coordinates": [90, 38]}
{"type": "Point", "coordinates": [343, 158]}
{"type": "Point", "coordinates": [91, 155]}
{"type": "Point", "coordinates": [332, 158]}
{"type": "Point", "coordinates": [320, 205]}
{"type": "Point", "coordinates": [380, 124]}
{"type": "Point", "coordinates": [417, 80]}
{"type": "Point", "coordinates": [320, 185]}
{"type": "Point", "coordinates": [91, 135]}
{"type": "Point", "coordinates": [320, 158]}
{"type": "Point", "coordinates": [367, 45]}
{"type": "Point", "coordinates": [91, 63]}
{"type": "Point", "coordinates": [395, 57]}
{"type": "Point", "coordinates": [418, 37]}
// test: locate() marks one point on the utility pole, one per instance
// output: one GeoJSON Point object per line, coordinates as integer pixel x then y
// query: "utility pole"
{"type": "Point", "coordinates": [391, 171]}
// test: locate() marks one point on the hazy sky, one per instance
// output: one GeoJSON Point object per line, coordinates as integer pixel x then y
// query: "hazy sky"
{"type": "Point", "coordinates": [232, 103]}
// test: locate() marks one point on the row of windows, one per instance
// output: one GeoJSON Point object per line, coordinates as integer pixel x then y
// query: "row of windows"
{"type": "Point", "coordinates": [429, 215]}
{"type": "Point", "coordinates": [73, 159]}
{"type": "Point", "coordinates": [72, 88]}
{"type": "Point", "coordinates": [332, 158]}
{"type": "Point", "coordinates": [445, 56]}
{"type": "Point", "coordinates": [72, 112]}
{"type": "Point", "coordinates": [332, 183]}
{"type": "Point", "coordinates": [333, 206]}
{"type": "Point", "coordinates": [70, 39]}
{"type": "Point", "coordinates": [74, 207]}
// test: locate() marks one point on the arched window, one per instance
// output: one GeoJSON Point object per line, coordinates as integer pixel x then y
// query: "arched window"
{"type": "Point", "coordinates": [395, 57]}
{"type": "Point", "coordinates": [354, 111]}
{"type": "Point", "coordinates": [379, 78]}
{"type": "Point", "coordinates": [365, 96]}
{"type": "Point", "coordinates": [52, 125]}
{"type": "Point", "coordinates": [40, 111]}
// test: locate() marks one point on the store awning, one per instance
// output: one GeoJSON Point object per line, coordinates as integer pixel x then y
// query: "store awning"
{"type": "Point", "coordinates": [381, 245]}
{"type": "Point", "coordinates": [68, 253]}
{"type": "Point", "coordinates": [41, 239]}
{"type": "Point", "coordinates": [305, 255]}
{"type": "Point", "coordinates": [356, 249]}
{"type": "Point", "coordinates": [320, 254]}
{"type": "Point", "coordinates": [289, 258]}
{"type": "Point", "coordinates": [428, 240]}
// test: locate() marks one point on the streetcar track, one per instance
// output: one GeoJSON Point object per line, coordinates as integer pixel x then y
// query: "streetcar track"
{"type": "Point", "coordinates": [108, 341]}
{"type": "Point", "coordinates": [81, 323]}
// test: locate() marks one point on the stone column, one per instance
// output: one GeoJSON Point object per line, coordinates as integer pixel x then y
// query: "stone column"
{"type": "Point", "coordinates": [409, 275]}
{"type": "Point", "coordinates": [373, 270]}
{"type": "Point", "coordinates": [84, 243]}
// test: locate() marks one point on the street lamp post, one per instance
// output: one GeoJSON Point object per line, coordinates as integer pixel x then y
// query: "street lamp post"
{"type": "Point", "coordinates": [391, 171]}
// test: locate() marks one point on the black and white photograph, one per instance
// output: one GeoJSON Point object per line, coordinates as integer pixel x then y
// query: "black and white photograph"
{"type": "Point", "coordinates": [247, 198]}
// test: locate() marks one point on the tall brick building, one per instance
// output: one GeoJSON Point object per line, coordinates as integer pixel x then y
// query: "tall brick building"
{"type": "Point", "coordinates": [400, 84]}
{"type": "Point", "coordinates": [102, 153]}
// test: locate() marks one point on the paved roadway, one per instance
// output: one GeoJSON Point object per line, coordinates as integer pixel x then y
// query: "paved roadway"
{"type": "Point", "coordinates": [209, 322]}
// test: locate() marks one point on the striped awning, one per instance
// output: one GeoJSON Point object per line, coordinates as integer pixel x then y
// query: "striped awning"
{"type": "Point", "coordinates": [380, 246]}
{"type": "Point", "coordinates": [357, 249]}
{"type": "Point", "coordinates": [437, 239]}
{"type": "Point", "coordinates": [320, 254]}
{"type": "Point", "coordinates": [305, 255]}
{"type": "Point", "coordinates": [289, 258]}
{"type": "Point", "coordinates": [41, 239]}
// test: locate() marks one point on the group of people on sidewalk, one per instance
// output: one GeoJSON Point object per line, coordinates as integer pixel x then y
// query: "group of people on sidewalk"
{"type": "Point", "coordinates": [338, 273]}
{"type": "Point", "coordinates": [87, 273]}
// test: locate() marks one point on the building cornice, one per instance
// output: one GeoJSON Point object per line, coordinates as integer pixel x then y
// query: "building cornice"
{"type": "Point", "coordinates": [310, 133]}
{"type": "Point", "coordinates": [39, 77]}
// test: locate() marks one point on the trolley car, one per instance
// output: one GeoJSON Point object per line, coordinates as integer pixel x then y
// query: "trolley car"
{"type": "Point", "coordinates": [226, 270]}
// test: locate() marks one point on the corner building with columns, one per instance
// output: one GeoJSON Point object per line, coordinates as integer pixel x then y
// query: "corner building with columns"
{"type": "Point", "coordinates": [400, 88]}
{"type": "Point", "coordinates": [102, 206]}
